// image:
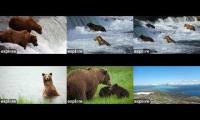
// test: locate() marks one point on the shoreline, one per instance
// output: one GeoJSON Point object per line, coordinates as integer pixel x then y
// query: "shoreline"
{"type": "Point", "coordinates": [158, 97]}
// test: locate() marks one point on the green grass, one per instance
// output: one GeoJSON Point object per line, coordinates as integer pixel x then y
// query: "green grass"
{"type": "Point", "coordinates": [23, 100]}
{"type": "Point", "coordinates": [123, 76]}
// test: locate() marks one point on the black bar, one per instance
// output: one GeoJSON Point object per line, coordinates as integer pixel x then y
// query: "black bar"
{"type": "Point", "coordinates": [100, 59]}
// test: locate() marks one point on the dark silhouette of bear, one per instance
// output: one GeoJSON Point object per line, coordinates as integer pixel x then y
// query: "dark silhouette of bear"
{"type": "Point", "coordinates": [114, 90]}
{"type": "Point", "coordinates": [21, 38]}
{"type": "Point", "coordinates": [119, 91]}
{"type": "Point", "coordinates": [22, 23]}
{"type": "Point", "coordinates": [105, 91]}
{"type": "Point", "coordinates": [169, 39]}
{"type": "Point", "coordinates": [190, 27]}
{"type": "Point", "coordinates": [96, 27]}
{"type": "Point", "coordinates": [150, 25]}
{"type": "Point", "coordinates": [146, 39]}
{"type": "Point", "coordinates": [49, 88]}
{"type": "Point", "coordinates": [82, 83]}
{"type": "Point", "coordinates": [101, 41]}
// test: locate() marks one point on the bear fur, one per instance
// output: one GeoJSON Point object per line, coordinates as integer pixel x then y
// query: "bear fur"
{"type": "Point", "coordinates": [101, 41]}
{"type": "Point", "coordinates": [21, 38]}
{"type": "Point", "coordinates": [169, 39]}
{"type": "Point", "coordinates": [49, 88]}
{"type": "Point", "coordinates": [82, 83]}
{"type": "Point", "coordinates": [146, 39]}
{"type": "Point", "coordinates": [106, 91]}
{"type": "Point", "coordinates": [22, 23]}
{"type": "Point", "coordinates": [114, 90]}
{"type": "Point", "coordinates": [190, 27]}
{"type": "Point", "coordinates": [96, 27]}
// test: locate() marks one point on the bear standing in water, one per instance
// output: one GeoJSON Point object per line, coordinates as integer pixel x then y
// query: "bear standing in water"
{"type": "Point", "coordinates": [22, 23]}
{"type": "Point", "coordinates": [82, 83]}
{"type": "Point", "coordinates": [190, 27]}
{"type": "Point", "coordinates": [21, 38]}
{"type": "Point", "coordinates": [101, 41]}
{"type": "Point", "coordinates": [49, 88]}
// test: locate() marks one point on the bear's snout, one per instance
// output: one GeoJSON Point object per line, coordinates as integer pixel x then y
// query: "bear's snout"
{"type": "Point", "coordinates": [47, 78]}
{"type": "Point", "coordinates": [39, 29]}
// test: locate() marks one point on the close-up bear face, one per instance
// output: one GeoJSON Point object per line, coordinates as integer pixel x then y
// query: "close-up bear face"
{"type": "Point", "coordinates": [106, 79]}
{"type": "Point", "coordinates": [47, 77]}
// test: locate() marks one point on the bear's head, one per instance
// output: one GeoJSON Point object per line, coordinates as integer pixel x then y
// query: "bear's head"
{"type": "Point", "coordinates": [33, 40]}
{"type": "Point", "coordinates": [102, 74]}
{"type": "Point", "coordinates": [105, 92]}
{"type": "Point", "coordinates": [90, 25]}
{"type": "Point", "coordinates": [115, 86]}
{"type": "Point", "coordinates": [35, 26]}
{"type": "Point", "coordinates": [47, 77]}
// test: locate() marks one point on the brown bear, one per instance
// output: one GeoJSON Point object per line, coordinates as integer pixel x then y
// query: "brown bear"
{"type": "Point", "coordinates": [21, 38]}
{"type": "Point", "coordinates": [190, 27]}
{"type": "Point", "coordinates": [114, 90]}
{"type": "Point", "coordinates": [169, 39]}
{"type": "Point", "coordinates": [146, 39]}
{"type": "Point", "coordinates": [49, 88]}
{"type": "Point", "coordinates": [22, 23]}
{"type": "Point", "coordinates": [105, 91]}
{"type": "Point", "coordinates": [101, 41]}
{"type": "Point", "coordinates": [120, 91]}
{"type": "Point", "coordinates": [96, 27]}
{"type": "Point", "coordinates": [82, 83]}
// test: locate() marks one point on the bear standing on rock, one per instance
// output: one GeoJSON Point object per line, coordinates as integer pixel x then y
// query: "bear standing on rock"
{"type": "Point", "coordinates": [21, 38]}
{"type": "Point", "coordinates": [82, 83]}
{"type": "Point", "coordinates": [22, 23]}
{"type": "Point", "coordinates": [49, 88]}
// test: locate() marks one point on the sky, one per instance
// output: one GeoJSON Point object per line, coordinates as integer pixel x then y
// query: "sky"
{"type": "Point", "coordinates": [173, 75]}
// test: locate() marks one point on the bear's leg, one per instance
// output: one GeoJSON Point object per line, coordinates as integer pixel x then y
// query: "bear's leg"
{"type": "Point", "coordinates": [82, 95]}
{"type": "Point", "coordinates": [44, 93]}
{"type": "Point", "coordinates": [90, 94]}
{"type": "Point", "coordinates": [55, 93]}
{"type": "Point", "coordinates": [22, 44]}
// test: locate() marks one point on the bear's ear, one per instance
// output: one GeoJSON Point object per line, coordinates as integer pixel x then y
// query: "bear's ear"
{"type": "Point", "coordinates": [43, 74]}
{"type": "Point", "coordinates": [50, 74]}
{"type": "Point", "coordinates": [104, 71]}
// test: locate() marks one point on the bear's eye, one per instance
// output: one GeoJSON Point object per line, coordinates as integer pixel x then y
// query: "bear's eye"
{"type": "Point", "coordinates": [104, 71]}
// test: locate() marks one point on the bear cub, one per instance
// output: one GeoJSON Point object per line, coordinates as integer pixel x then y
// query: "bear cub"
{"type": "Point", "coordinates": [114, 90]}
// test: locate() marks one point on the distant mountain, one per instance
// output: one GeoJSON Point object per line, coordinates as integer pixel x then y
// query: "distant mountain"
{"type": "Point", "coordinates": [180, 82]}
